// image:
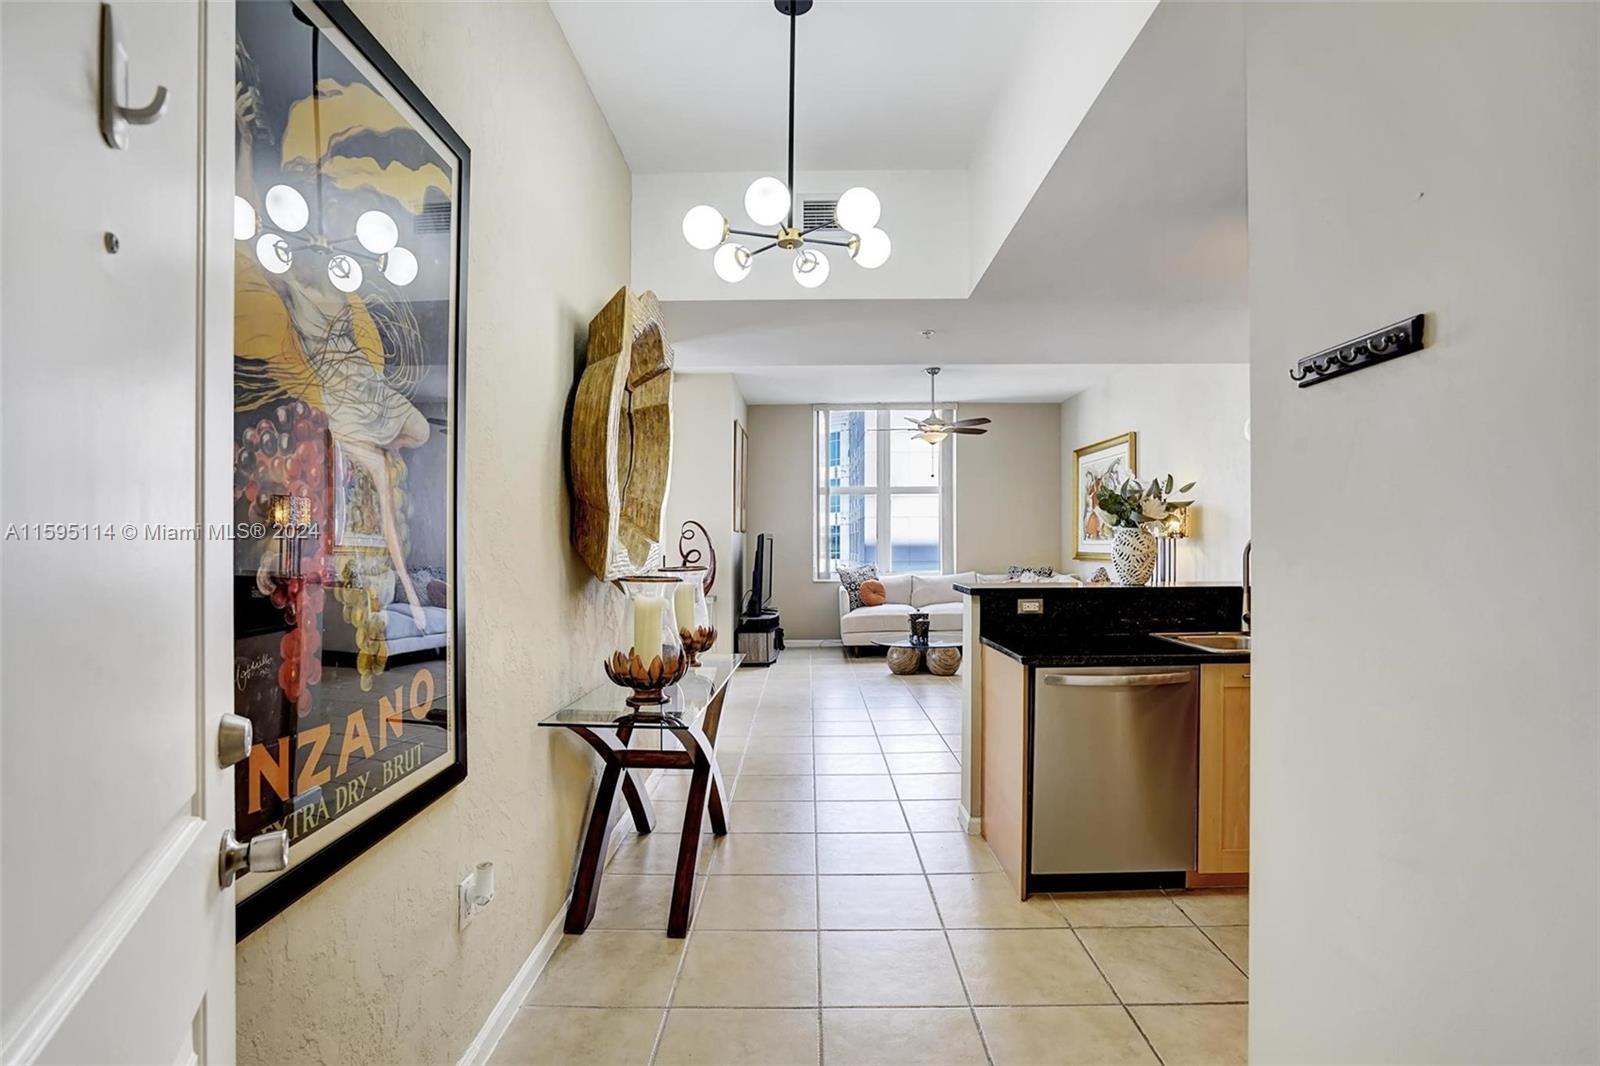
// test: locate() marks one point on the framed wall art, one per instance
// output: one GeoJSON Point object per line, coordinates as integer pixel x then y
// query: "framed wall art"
{"type": "Point", "coordinates": [741, 461]}
{"type": "Point", "coordinates": [1103, 464]}
{"type": "Point", "coordinates": [350, 227]}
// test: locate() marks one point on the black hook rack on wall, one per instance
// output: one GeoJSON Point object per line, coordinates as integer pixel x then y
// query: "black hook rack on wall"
{"type": "Point", "coordinates": [1369, 349]}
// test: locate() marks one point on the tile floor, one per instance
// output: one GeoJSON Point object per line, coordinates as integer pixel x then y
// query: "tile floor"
{"type": "Point", "coordinates": [847, 919]}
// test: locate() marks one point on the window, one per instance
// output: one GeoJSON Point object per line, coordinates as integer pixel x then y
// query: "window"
{"type": "Point", "coordinates": [882, 496]}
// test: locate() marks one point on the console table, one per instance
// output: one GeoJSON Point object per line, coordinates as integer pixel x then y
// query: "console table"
{"type": "Point", "coordinates": [690, 716]}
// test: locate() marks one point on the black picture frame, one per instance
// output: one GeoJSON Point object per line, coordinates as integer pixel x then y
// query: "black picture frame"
{"type": "Point", "coordinates": [271, 899]}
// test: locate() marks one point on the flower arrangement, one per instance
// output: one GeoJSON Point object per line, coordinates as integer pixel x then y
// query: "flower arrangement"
{"type": "Point", "coordinates": [1137, 506]}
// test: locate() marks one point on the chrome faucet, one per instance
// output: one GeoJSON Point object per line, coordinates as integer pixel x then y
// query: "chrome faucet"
{"type": "Point", "coordinates": [1246, 613]}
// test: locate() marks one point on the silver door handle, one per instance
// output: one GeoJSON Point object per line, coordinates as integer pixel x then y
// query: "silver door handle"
{"type": "Point", "coordinates": [1117, 680]}
{"type": "Point", "coordinates": [261, 854]}
{"type": "Point", "coordinates": [235, 735]}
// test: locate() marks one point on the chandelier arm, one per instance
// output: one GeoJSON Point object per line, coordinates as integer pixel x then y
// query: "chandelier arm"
{"type": "Point", "coordinates": [763, 248]}
{"type": "Point", "coordinates": [833, 244]}
{"type": "Point", "coordinates": [750, 233]}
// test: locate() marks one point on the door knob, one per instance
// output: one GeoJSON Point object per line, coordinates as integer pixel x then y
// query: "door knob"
{"type": "Point", "coordinates": [235, 734]}
{"type": "Point", "coordinates": [258, 855]}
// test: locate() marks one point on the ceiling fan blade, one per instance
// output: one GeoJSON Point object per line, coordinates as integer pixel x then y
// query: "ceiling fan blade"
{"type": "Point", "coordinates": [916, 421]}
{"type": "Point", "coordinates": [967, 431]}
{"type": "Point", "coordinates": [970, 422]}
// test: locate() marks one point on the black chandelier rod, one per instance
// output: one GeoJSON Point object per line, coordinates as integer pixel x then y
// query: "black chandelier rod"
{"type": "Point", "coordinates": [793, 15]}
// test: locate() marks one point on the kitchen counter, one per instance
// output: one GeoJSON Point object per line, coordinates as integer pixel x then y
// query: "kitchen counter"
{"type": "Point", "coordinates": [1128, 650]}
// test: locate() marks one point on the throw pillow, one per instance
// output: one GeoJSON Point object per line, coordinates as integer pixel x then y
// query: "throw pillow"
{"type": "Point", "coordinates": [873, 593]}
{"type": "Point", "coordinates": [1015, 572]}
{"type": "Point", "coordinates": [851, 578]}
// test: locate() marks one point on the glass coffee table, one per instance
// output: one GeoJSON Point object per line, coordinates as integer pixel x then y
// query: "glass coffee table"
{"type": "Point", "coordinates": [941, 655]}
{"type": "Point", "coordinates": [608, 725]}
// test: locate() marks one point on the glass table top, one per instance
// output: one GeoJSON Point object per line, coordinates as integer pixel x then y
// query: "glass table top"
{"type": "Point", "coordinates": [604, 707]}
{"type": "Point", "coordinates": [907, 642]}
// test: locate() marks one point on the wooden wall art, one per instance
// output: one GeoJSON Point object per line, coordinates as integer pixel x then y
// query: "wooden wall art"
{"type": "Point", "coordinates": [621, 429]}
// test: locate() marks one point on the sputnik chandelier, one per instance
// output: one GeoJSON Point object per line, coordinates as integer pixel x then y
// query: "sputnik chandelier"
{"type": "Point", "coordinates": [376, 240]}
{"type": "Point", "coordinates": [770, 202]}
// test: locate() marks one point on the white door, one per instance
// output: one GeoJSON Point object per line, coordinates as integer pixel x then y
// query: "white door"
{"type": "Point", "coordinates": [116, 940]}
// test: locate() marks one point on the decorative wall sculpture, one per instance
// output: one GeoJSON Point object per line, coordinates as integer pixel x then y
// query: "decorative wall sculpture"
{"type": "Point", "coordinates": [621, 455]}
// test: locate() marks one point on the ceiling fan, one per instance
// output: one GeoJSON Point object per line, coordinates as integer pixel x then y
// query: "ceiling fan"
{"type": "Point", "coordinates": [934, 429]}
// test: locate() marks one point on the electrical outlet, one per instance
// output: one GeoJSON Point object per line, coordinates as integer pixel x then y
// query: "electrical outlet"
{"type": "Point", "coordinates": [1030, 607]}
{"type": "Point", "coordinates": [477, 891]}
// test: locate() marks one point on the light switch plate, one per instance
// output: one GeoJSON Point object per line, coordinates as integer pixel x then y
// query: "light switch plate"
{"type": "Point", "coordinates": [1030, 607]}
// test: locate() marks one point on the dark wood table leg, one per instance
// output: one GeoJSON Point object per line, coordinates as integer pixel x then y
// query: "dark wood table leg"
{"type": "Point", "coordinates": [689, 843]}
{"type": "Point", "coordinates": [713, 720]}
{"type": "Point", "coordinates": [591, 861]}
{"type": "Point", "coordinates": [644, 815]}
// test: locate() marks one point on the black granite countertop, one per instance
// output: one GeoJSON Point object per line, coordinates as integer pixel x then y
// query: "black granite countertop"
{"type": "Point", "coordinates": [1127, 650]}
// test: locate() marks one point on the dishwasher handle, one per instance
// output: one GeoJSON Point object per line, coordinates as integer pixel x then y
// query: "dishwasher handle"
{"type": "Point", "coordinates": [1118, 680]}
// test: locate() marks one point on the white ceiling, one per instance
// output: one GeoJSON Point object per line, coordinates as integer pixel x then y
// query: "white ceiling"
{"type": "Point", "coordinates": [1006, 383]}
{"type": "Point", "coordinates": [688, 85]}
{"type": "Point", "coordinates": [1131, 251]}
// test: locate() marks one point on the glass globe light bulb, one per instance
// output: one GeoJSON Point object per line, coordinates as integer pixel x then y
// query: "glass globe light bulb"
{"type": "Point", "coordinates": [732, 262]}
{"type": "Point", "coordinates": [272, 252]}
{"type": "Point", "coordinates": [766, 201]}
{"type": "Point", "coordinates": [244, 219]}
{"type": "Point", "coordinates": [871, 249]}
{"type": "Point", "coordinates": [704, 227]}
{"type": "Point", "coordinates": [345, 273]}
{"type": "Point", "coordinates": [810, 267]}
{"type": "Point", "coordinates": [287, 208]}
{"type": "Point", "coordinates": [400, 266]}
{"type": "Point", "coordinates": [377, 232]}
{"type": "Point", "coordinates": [857, 210]}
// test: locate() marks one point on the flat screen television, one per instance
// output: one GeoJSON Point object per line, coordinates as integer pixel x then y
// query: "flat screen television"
{"type": "Point", "coordinates": [760, 598]}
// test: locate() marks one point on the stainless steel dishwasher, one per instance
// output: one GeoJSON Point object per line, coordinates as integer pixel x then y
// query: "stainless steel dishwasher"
{"type": "Point", "coordinates": [1115, 761]}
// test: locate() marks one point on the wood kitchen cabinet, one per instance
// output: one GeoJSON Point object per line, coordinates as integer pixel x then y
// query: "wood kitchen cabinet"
{"type": "Point", "coordinates": [1224, 770]}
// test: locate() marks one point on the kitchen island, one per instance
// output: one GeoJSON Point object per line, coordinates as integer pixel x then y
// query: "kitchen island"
{"type": "Point", "coordinates": [1027, 781]}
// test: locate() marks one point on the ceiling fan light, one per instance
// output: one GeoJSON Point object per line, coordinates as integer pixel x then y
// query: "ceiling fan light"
{"type": "Point", "coordinates": [932, 436]}
{"type": "Point", "coordinates": [732, 263]}
{"type": "Point", "coordinates": [704, 227]}
{"type": "Point", "coordinates": [870, 249]}
{"type": "Point", "coordinates": [810, 267]}
{"type": "Point", "coordinates": [857, 210]}
{"type": "Point", "coordinates": [766, 201]}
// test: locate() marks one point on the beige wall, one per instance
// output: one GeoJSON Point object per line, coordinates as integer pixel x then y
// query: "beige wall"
{"type": "Point", "coordinates": [1008, 501]}
{"type": "Point", "coordinates": [370, 966]}
{"type": "Point", "coordinates": [704, 408]}
{"type": "Point", "coordinates": [1008, 488]}
{"type": "Point", "coordinates": [1190, 423]}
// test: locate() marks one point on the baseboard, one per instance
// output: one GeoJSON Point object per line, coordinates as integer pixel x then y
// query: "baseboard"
{"type": "Point", "coordinates": [970, 825]}
{"type": "Point", "coordinates": [789, 642]}
{"type": "Point", "coordinates": [505, 1009]}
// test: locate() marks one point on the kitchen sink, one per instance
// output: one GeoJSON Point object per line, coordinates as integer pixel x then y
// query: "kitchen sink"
{"type": "Point", "coordinates": [1214, 642]}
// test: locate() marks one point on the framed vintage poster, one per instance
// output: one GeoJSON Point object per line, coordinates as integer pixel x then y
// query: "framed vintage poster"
{"type": "Point", "coordinates": [350, 224]}
{"type": "Point", "coordinates": [741, 459]}
{"type": "Point", "coordinates": [1103, 464]}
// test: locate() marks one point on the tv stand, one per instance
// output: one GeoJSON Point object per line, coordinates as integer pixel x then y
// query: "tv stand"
{"type": "Point", "coordinates": [759, 638]}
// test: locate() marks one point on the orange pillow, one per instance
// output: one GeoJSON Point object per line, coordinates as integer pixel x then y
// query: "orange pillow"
{"type": "Point", "coordinates": [873, 594]}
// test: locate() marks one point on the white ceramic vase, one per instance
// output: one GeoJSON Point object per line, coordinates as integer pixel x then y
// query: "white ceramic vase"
{"type": "Point", "coordinates": [1133, 554]}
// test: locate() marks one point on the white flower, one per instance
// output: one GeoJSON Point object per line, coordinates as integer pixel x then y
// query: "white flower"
{"type": "Point", "coordinates": [1153, 509]}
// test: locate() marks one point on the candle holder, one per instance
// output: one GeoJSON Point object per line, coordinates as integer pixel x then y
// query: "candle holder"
{"type": "Point", "coordinates": [695, 630]}
{"type": "Point", "coordinates": [654, 659]}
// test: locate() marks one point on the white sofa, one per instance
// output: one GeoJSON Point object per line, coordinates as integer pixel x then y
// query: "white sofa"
{"type": "Point", "coordinates": [931, 593]}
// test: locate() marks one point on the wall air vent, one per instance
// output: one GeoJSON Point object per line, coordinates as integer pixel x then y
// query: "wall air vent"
{"type": "Point", "coordinates": [435, 217]}
{"type": "Point", "coordinates": [817, 212]}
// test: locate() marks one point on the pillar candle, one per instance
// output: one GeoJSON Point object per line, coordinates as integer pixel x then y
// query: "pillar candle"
{"type": "Point", "coordinates": [647, 611]}
{"type": "Point", "coordinates": [683, 605]}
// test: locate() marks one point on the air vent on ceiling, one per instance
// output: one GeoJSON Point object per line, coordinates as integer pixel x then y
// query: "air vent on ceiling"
{"type": "Point", "coordinates": [435, 217]}
{"type": "Point", "coordinates": [817, 213]}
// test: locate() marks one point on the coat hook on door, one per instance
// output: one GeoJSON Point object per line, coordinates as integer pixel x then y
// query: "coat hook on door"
{"type": "Point", "coordinates": [114, 117]}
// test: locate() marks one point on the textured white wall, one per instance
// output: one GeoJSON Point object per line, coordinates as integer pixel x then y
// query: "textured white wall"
{"type": "Point", "coordinates": [704, 407]}
{"type": "Point", "coordinates": [1425, 745]}
{"type": "Point", "coordinates": [1190, 423]}
{"type": "Point", "coordinates": [370, 967]}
